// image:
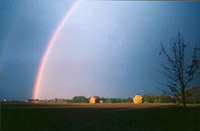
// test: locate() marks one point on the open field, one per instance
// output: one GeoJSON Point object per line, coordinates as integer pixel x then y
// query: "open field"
{"type": "Point", "coordinates": [47, 117]}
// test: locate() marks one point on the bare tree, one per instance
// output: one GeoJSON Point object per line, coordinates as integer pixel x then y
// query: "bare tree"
{"type": "Point", "coordinates": [178, 70]}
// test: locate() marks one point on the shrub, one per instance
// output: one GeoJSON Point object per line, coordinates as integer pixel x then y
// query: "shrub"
{"type": "Point", "coordinates": [137, 99]}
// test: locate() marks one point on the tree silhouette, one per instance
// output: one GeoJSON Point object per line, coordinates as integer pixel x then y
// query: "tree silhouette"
{"type": "Point", "coordinates": [178, 70]}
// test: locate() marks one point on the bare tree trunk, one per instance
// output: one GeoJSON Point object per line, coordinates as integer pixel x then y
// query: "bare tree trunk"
{"type": "Point", "coordinates": [183, 97]}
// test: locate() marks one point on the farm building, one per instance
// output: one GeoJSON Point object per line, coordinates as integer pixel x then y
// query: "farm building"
{"type": "Point", "coordinates": [32, 100]}
{"type": "Point", "coordinates": [95, 99]}
{"type": "Point", "coordinates": [101, 101]}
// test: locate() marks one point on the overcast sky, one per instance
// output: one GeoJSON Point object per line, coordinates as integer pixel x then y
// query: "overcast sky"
{"type": "Point", "coordinates": [106, 48]}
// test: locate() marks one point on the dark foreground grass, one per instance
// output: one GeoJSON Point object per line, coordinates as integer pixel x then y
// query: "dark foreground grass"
{"type": "Point", "coordinates": [98, 119]}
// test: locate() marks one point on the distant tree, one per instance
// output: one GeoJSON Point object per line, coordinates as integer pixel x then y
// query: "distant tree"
{"type": "Point", "coordinates": [118, 100]}
{"type": "Point", "coordinates": [94, 99]}
{"type": "Point", "coordinates": [178, 71]}
{"type": "Point", "coordinates": [150, 98]}
{"type": "Point", "coordinates": [68, 101]}
{"type": "Point", "coordinates": [147, 99]}
{"type": "Point", "coordinates": [137, 99]}
{"type": "Point", "coordinates": [129, 100]}
{"type": "Point", "coordinates": [164, 99]}
{"type": "Point", "coordinates": [108, 100]}
{"type": "Point", "coordinates": [103, 99]}
{"type": "Point", "coordinates": [56, 99]}
{"type": "Point", "coordinates": [156, 99]}
{"type": "Point", "coordinates": [80, 99]}
{"type": "Point", "coordinates": [193, 95]}
{"type": "Point", "coordinates": [123, 100]}
{"type": "Point", "coordinates": [115, 100]}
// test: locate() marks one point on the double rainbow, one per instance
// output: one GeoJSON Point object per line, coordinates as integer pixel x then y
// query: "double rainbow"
{"type": "Point", "coordinates": [49, 47]}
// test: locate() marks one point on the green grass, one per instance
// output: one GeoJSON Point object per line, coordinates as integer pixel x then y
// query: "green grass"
{"type": "Point", "coordinates": [99, 117]}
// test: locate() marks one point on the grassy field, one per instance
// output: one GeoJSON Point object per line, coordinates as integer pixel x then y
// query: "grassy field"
{"type": "Point", "coordinates": [98, 117]}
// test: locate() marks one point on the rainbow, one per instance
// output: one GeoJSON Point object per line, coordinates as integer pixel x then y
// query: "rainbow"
{"type": "Point", "coordinates": [49, 47]}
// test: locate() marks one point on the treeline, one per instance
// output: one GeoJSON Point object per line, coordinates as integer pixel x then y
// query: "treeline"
{"type": "Point", "coordinates": [147, 98]}
{"type": "Point", "coordinates": [192, 97]}
{"type": "Point", "coordinates": [150, 98]}
{"type": "Point", "coordinates": [114, 100]}
{"type": "Point", "coordinates": [82, 99]}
